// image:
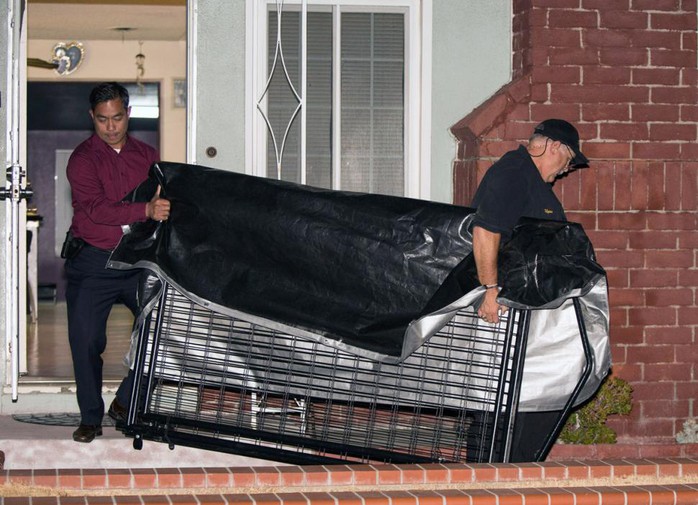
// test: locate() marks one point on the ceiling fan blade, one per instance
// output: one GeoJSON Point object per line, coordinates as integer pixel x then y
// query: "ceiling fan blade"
{"type": "Point", "coordinates": [39, 63]}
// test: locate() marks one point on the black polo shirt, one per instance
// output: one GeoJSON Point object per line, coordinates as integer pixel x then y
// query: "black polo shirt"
{"type": "Point", "coordinates": [513, 188]}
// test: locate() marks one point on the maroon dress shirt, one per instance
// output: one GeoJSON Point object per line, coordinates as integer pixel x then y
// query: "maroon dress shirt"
{"type": "Point", "coordinates": [99, 178]}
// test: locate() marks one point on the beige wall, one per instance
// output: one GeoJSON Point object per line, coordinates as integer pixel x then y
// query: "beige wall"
{"type": "Point", "coordinates": [116, 60]}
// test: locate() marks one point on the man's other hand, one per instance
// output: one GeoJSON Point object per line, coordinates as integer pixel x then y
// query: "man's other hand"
{"type": "Point", "coordinates": [158, 208]}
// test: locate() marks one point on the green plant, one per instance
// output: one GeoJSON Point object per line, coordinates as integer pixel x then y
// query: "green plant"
{"type": "Point", "coordinates": [587, 425]}
{"type": "Point", "coordinates": [689, 435]}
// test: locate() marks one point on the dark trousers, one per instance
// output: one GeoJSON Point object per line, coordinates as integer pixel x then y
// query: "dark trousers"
{"type": "Point", "coordinates": [91, 293]}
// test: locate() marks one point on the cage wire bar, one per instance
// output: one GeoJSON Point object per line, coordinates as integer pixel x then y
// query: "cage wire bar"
{"type": "Point", "coordinates": [208, 380]}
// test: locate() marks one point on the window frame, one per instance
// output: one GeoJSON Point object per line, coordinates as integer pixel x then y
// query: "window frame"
{"type": "Point", "coordinates": [417, 90]}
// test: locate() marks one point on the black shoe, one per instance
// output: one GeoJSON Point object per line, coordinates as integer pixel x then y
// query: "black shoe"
{"type": "Point", "coordinates": [118, 412]}
{"type": "Point", "coordinates": [86, 433]}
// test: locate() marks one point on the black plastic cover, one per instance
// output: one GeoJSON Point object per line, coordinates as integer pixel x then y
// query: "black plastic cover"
{"type": "Point", "coordinates": [544, 262]}
{"type": "Point", "coordinates": [354, 267]}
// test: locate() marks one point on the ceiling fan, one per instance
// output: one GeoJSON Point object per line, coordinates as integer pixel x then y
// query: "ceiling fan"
{"type": "Point", "coordinates": [66, 58]}
{"type": "Point", "coordinates": [39, 63]}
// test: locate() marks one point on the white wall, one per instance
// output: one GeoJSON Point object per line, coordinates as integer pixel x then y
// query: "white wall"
{"type": "Point", "coordinates": [471, 59]}
{"type": "Point", "coordinates": [116, 61]}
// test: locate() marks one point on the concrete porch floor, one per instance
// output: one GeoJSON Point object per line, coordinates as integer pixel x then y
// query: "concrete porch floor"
{"type": "Point", "coordinates": [34, 446]}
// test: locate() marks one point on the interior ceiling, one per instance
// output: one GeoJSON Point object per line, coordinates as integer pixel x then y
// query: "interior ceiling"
{"type": "Point", "coordinates": [67, 21]}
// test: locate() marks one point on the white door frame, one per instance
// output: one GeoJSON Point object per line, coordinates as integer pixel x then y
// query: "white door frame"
{"type": "Point", "coordinates": [15, 194]}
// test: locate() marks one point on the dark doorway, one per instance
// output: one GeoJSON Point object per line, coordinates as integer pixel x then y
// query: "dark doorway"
{"type": "Point", "coordinates": [57, 121]}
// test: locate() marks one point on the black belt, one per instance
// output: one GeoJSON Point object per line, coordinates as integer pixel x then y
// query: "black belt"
{"type": "Point", "coordinates": [89, 246]}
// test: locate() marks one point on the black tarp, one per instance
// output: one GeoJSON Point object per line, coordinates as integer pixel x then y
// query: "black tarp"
{"type": "Point", "coordinates": [354, 267]}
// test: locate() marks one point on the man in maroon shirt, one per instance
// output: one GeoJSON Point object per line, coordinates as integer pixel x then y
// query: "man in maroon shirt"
{"type": "Point", "coordinates": [101, 171]}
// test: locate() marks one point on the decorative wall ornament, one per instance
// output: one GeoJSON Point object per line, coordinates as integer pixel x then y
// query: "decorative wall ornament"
{"type": "Point", "coordinates": [68, 57]}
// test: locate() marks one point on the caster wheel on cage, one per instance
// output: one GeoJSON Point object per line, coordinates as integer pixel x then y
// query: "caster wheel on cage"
{"type": "Point", "coordinates": [171, 446]}
{"type": "Point", "coordinates": [138, 443]}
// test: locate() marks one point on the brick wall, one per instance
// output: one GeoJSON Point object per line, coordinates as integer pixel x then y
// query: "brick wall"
{"type": "Point", "coordinates": [623, 71]}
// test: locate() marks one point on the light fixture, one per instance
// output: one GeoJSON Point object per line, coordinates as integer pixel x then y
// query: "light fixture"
{"type": "Point", "coordinates": [140, 64]}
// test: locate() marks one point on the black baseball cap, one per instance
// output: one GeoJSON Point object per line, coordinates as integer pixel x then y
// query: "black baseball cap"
{"type": "Point", "coordinates": [559, 129]}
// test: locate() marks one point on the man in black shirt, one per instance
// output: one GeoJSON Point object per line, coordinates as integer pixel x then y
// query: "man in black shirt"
{"type": "Point", "coordinates": [520, 185]}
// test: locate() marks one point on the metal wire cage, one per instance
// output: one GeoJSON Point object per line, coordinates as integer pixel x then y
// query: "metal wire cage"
{"type": "Point", "coordinates": [208, 380]}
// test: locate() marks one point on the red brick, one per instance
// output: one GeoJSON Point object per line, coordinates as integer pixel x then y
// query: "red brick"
{"type": "Point", "coordinates": [689, 188]}
{"type": "Point", "coordinates": [572, 56]}
{"type": "Point", "coordinates": [218, 477]}
{"type": "Point", "coordinates": [539, 112]}
{"type": "Point", "coordinates": [168, 477]}
{"type": "Point", "coordinates": [653, 239]}
{"type": "Point", "coordinates": [560, 18]}
{"type": "Point", "coordinates": [618, 277]}
{"type": "Point", "coordinates": [687, 240]}
{"type": "Point", "coordinates": [656, 39]}
{"type": "Point", "coordinates": [598, 93]}
{"type": "Point", "coordinates": [687, 278]}
{"type": "Point", "coordinates": [670, 296]}
{"type": "Point", "coordinates": [689, 40]}
{"type": "Point", "coordinates": [610, 239]}
{"type": "Point", "coordinates": [655, 186]}
{"type": "Point", "coordinates": [539, 92]}
{"type": "Point", "coordinates": [655, 5]}
{"type": "Point", "coordinates": [598, 112]}
{"type": "Point", "coordinates": [666, 21]}
{"type": "Point", "coordinates": [669, 335]}
{"type": "Point", "coordinates": [619, 19]}
{"type": "Point", "coordinates": [654, 278]}
{"type": "Point", "coordinates": [652, 112]}
{"type": "Point", "coordinates": [628, 372]}
{"type": "Point", "coordinates": [144, 478]}
{"type": "Point", "coordinates": [664, 259]}
{"type": "Point", "coordinates": [624, 131]}
{"type": "Point", "coordinates": [605, 4]}
{"type": "Point", "coordinates": [606, 38]}
{"type": "Point", "coordinates": [652, 428]}
{"type": "Point", "coordinates": [689, 151]}
{"type": "Point", "coordinates": [674, 94]}
{"type": "Point", "coordinates": [606, 75]}
{"type": "Point", "coordinates": [672, 193]}
{"type": "Point", "coordinates": [243, 476]}
{"type": "Point", "coordinates": [662, 131]}
{"type": "Point", "coordinates": [650, 353]}
{"type": "Point", "coordinates": [70, 478]}
{"type": "Point", "coordinates": [653, 390]}
{"type": "Point", "coordinates": [686, 390]}
{"type": "Point", "coordinates": [609, 150]}
{"type": "Point", "coordinates": [621, 221]}
{"type": "Point", "coordinates": [388, 475]}
{"type": "Point", "coordinates": [623, 56]}
{"type": "Point", "coordinates": [94, 478]}
{"type": "Point", "coordinates": [661, 221]}
{"type": "Point", "coordinates": [654, 316]}
{"type": "Point", "coordinates": [619, 257]}
{"type": "Point", "coordinates": [47, 478]}
{"type": "Point", "coordinates": [627, 335]}
{"type": "Point", "coordinates": [689, 113]}
{"type": "Point", "coordinates": [666, 372]}
{"type": "Point", "coordinates": [555, 37]}
{"type": "Point", "coordinates": [656, 76]}
{"type": "Point", "coordinates": [557, 74]}
{"type": "Point", "coordinates": [688, 315]}
{"type": "Point", "coordinates": [627, 297]}
{"type": "Point", "coordinates": [656, 151]}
